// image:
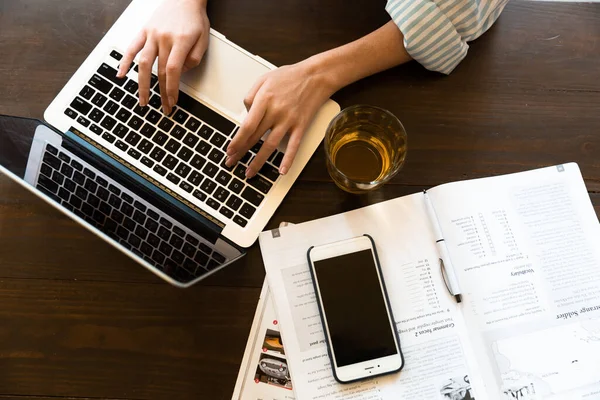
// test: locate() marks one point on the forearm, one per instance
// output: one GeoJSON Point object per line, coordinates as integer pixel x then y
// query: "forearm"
{"type": "Point", "coordinates": [380, 50]}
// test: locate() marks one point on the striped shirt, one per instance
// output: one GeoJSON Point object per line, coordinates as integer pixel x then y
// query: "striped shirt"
{"type": "Point", "coordinates": [436, 32]}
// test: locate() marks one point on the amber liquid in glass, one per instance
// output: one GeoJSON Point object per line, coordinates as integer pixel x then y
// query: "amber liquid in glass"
{"type": "Point", "coordinates": [361, 157]}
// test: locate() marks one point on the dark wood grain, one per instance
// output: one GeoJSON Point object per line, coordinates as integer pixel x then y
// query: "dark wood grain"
{"type": "Point", "coordinates": [79, 320]}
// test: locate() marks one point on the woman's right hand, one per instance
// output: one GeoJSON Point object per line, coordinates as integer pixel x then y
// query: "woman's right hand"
{"type": "Point", "coordinates": [177, 34]}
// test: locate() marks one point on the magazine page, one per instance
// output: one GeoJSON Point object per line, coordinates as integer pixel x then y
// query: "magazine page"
{"type": "Point", "coordinates": [264, 373]}
{"type": "Point", "coordinates": [526, 249]}
{"type": "Point", "coordinates": [437, 356]}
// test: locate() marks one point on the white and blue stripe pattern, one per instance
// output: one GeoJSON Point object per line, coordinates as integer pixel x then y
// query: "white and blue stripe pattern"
{"type": "Point", "coordinates": [436, 32]}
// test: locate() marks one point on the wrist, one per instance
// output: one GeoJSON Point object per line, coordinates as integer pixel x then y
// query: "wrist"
{"type": "Point", "coordinates": [323, 70]}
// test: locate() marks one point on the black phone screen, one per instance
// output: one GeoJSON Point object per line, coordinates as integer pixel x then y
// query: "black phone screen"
{"type": "Point", "coordinates": [354, 307]}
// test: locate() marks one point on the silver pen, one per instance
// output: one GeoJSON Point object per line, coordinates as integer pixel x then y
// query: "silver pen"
{"type": "Point", "coordinates": [445, 264]}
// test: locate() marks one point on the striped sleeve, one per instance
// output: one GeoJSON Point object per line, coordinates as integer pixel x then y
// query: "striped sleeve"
{"type": "Point", "coordinates": [436, 32]}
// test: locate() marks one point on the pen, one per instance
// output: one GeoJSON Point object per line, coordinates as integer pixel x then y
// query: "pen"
{"type": "Point", "coordinates": [445, 263]}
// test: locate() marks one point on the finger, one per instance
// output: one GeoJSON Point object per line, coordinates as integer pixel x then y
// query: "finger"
{"type": "Point", "coordinates": [248, 127]}
{"type": "Point", "coordinates": [163, 57]}
{"type": "Point", "coordinates": [250, 140]}
{"type": "Point", "coordinates": [195, 55]}
{"type": "Point", "coordinates": [134, 47]}
{"type": "Point", "coordinates": [268, 147]}
{"type": "Point", "coordinates": [147, 57]}
{"type": "Point", "coordinates": [174, 68]}
{"type": "Point", "coordinates": [249, 99]}
{"type": "Point", "coordinates": [291, 149]}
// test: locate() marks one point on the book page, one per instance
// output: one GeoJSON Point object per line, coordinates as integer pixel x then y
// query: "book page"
{"type": "Point", "coordinates": [430, 326]}
{"type": "Point", "coordinates": [264, 373]}
{"type": "Point", "coordinates": [526, 251]}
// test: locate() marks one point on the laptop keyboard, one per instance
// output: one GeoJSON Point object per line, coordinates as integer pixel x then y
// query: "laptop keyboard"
{"type": "Point", "coordinates": [185, 149]}
{"type": "Point", "coordinates": [126, 218]}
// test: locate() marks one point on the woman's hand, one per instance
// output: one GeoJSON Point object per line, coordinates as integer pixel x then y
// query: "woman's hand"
{"type": "Point", "coordinates": [178, 35]}
{"type": "Point", "coordinates": [285, 101]}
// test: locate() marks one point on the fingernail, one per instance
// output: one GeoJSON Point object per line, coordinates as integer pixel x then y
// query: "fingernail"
{"type": "Point", "coordinates": [143, 102]}
{"type": "Point", "coordinates": [171, 102]}
{"type": "Point", "coordinates": [283, 170]}
{"type": "Point", "coordinates": [230, 151]}
{"type": "Point", "coordinates": [229, 161]}
{"type": "Point", "coordinates": [166, 109]}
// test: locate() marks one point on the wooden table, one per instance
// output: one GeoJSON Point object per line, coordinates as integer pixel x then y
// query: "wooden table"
{"type": "Point", "coordinates": [79, 320]}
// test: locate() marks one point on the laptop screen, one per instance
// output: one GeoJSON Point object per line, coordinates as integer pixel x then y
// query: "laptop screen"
{"type": "Point", "coordinates": [156, 234]}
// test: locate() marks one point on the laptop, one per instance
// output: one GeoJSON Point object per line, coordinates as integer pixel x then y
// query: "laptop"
{"type": "Point", "coordinates": [156, 186]}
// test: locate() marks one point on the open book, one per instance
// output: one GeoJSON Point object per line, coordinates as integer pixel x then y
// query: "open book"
{"type": "Point", "coordinates": [526, 252]}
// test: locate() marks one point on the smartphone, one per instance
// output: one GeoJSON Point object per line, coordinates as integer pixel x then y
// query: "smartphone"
{"type": "Point", "coordinates": [359, 326]}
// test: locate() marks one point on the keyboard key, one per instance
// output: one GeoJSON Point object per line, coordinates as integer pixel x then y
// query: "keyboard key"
{"type": "Point", "coordinates": [216, 156]}
{"type": "Point", "coordinates": [260, 183]}
{"type": "Point", "coordinates": [234, 202]}
{"type": "Point", "coordinates": [160, 138]}
{"type": "Point", "coordinates": [167, 224]}
{"type": "Point", "coordinates": [153, 117]}
{"type": "Point", "coordinates": [48, 183]}
{"type": "Point", "coordinates": [193, 124]}
{"type": "Point", "coordinates": [166, 124]}
{"type": "Point", "coordinates": [204, 113]}
{"type": "Point", "coordinates": [99, 100]}
{"type": "Point", "coordinates": [133, 138]}
{"type": "Point", "coordinates": [199, 195]}
{"type": "Point", "coordinates": [75, 202]}
{"type": "Point", "coordinates": [81, 105]}
{"type": "Point", "coordinates": [62, 156]}
{"type": "Point", "coordinates": [277, 160]}
{"type": "Point", "coordinates": [105, 208]}
{"type": "Point", "coordinates": [246, 158]}
{"type": "Point", "coordinates": [81, 193]}
{"type": "Point", "coordinates": [141, 232]}
{"type": "Point", "coordinates": [155, 101]}
{"type": "Point", "coordinates": [70, 113]}
{"type": "Point", "coordinates": [129, 101]}
{"type": "Point", "coordinates": [226, 212]}
{"type": "Point", "coordinates": [145, 146]}
{"type": "Point", "coordinates": [240, 221]}
{"type": "Point", "coordinates": [122, 232]}
{"type": "Point", "coordinates": [190, 139]}
{"type": "Point", "coordinates": [178, 132]}
{"type": "Point", "coordinates": [87, 92]}
{"type": "Point", "coordinates": [147, 162]}
{"type": "Point", "coordinates": [135, 122]}
{"type": "Point", "coordinates": [123, 115]}
{"type": "Point", "coordinates": [58, 177]}
{"type": "Point", "coordinates": [120, 130]}
{"type": "Point", "coordinates": [108, 137]}
{"type": "Point", "coordinates": [91, 185]}
{"type": "Point", "coordinates": [108, 122]}
{"type": "Point", "coordinates": [98, 217]}
{"type": "Point", "coordinates": [205, 132]}
{"type": "Point", "coordinates": [139, 217]}
{"type": "Point", "coordinates": [213, 203]}
{"type": "Point", "coordinates": [218, 257]}
{"type": "Point", "coordinates": [183, 170]}
{"type": "Point", "coordinates": [83, 121]}
{"type": "Point", "coordinates": [252, 196]}
{"type": "Point", "coordinates": [240, 171]}
{"type": "Point", "coordinates": [188, 250]}
{"type": "Point", "coordinates": [165, 248]}
{"type": "Point", "coordinates": [114, 54]}
{"type": "Point", "coordinates": [116, 94]}
{"type": "Point", "coordinates": [203, 147]}
{"type": "Point", "coordinates": [170, 162]}
{"type": "Point", "coordinates": [76, 165]}
{"type": "Point", "coordinates": [96, 115]}
{"type": "Point", "coordinates": [111, 74]}
{"type": "Point", "coordinates": [131, 86]}
{"type": "Point", "coordinates": [195, 178]}
{"type": "Point", "coordinates": [180, 116]}
{"type": "Point", "coordinates": [70, 185]}
{"type": "Point", "coordinates": [221, 194]}
{"type": "Point", "coordinates": [217, 139]}
{"type": "Point", "coordinates": [186, 186]}
{"type": "Point", "coordinates": [141, 111]}
{"type": "Point", "coordinates": [96, 129]}
{"type": "Point", "coordinates": [46, 170]}
{"type": "Point", "coordinates": [223, 178]}
{"type": "Point", "coordinates": [134, 153]}
{"type": "Point", "coordinates": [103, 194]}
{"type": "Point", "coordinates": [208, 186]}
{"type": "Point", "coordinates": [225, 167]}
{"type": "Point", "coordinates": [115, 201]}
{"type": "Point", "coordinates": [151, 225]}
{"type": "Point", "coordinates": [158, 257]}
{"type": "Point", "coordinates": [173, 145]}
{"type": "Point", "coordinates": [158, 154]}
{"type": "Point", "coordinates": [201, 258]}
{"type": "Point", "coordinates": [197, 162]}
{"type": "Point", "coordinates": [176, 241]}
{"type": "Point", "coordinates": [134, 241]}
{"type": "Point", "coordinates": [210, 169]}
{"type": "Point", "coordinates": [247, 211]}
{"type": "Point", "coordinates": [129, 224]}
{"type": "Point", "coordinates": [153, 240]}
{"type": "Point", "coordinates": [146, 249]}
{"type": "Point", "coordinates": [89, 173]}
{"type": "Point", "coordinates": [100, 84]}
{"type": "Point", "coordinates": [111, 107]}
{"type": "Point", "coordinates": [173, 178]}
{"type": "Point", "coordinates": [185, 153]}
{"type": "Point", "coordinates": [54, 162]}
{"type": "Point", "coordinates": [101, 181]}
{"type": "Point", "coordinates": [159, 170]}
{"type": "Point", "coordinates": [257, 146]}
{"type": "Point", "coordinates": [269, 171]}
{"type": "Point", "coordinates": [140, 206]}
{"type": "Point", "coordinates": [79, 178]}
{"type": "Point", "coordinates": [148, 130]}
